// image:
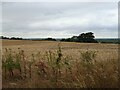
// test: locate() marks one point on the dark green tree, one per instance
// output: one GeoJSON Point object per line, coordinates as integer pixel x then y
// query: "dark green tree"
{"type": "Point", "coordinates": [87, 37]}
{"type": "Point", "coordinates": [83, 37]}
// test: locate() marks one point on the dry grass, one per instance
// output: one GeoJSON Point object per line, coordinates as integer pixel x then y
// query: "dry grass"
{"type": "Point", "coordinates": [61, 66]}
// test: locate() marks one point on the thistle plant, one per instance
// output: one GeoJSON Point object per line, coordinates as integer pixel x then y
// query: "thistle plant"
{"type": "Point", "coordinates": [67, 65]}
{"type": "Point", "coordinates": [30, 64]}
{"type": "Point", "coordinates": [24, 63]}
{"type": "Point", "coordinates": [54, 61]}
{"type": "Point", "coordinates": [51, 58]}
{"type": "Point", "coordinates": [17, 63]}
{"type": "Point", "coordinates": [9, 63]}
{"type": "Point", "coordinates": [58, 61]}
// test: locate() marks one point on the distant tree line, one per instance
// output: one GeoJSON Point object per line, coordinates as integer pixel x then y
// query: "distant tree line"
{"type": "Point", "coordinates": [84, 37]}
{"type": "Point", "coordinates": [49, 39]}
{"type": "Point", "coordinates": [45, 39]}
{"type": "Point", "coordinates": [12, 38]}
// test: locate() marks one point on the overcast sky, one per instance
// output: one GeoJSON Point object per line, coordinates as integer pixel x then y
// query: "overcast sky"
{"type": "Point", "coordinates": [60, 19]}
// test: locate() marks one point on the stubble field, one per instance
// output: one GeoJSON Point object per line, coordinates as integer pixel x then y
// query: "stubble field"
{"type": "Point", "coordinates": [51, 64]}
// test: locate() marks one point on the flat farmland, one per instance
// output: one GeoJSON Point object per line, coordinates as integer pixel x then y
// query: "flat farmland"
{"type": "Point", "coordinates": [105, 51]}
{"type": "Point", "coordinates": [64, 64]}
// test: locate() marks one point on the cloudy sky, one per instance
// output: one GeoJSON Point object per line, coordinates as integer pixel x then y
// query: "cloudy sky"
{"type": "Point", "coordinates": [59, 19]}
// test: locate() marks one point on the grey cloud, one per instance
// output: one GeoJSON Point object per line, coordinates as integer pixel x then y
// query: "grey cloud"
{"type": "Point", "coordinates": [59, 19]}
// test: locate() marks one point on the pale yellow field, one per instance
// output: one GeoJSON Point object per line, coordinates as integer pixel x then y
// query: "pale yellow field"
{"type": "Point", "coordinates": [105, 51]}
{"type": "Point", "coordinates": [107, 57]}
